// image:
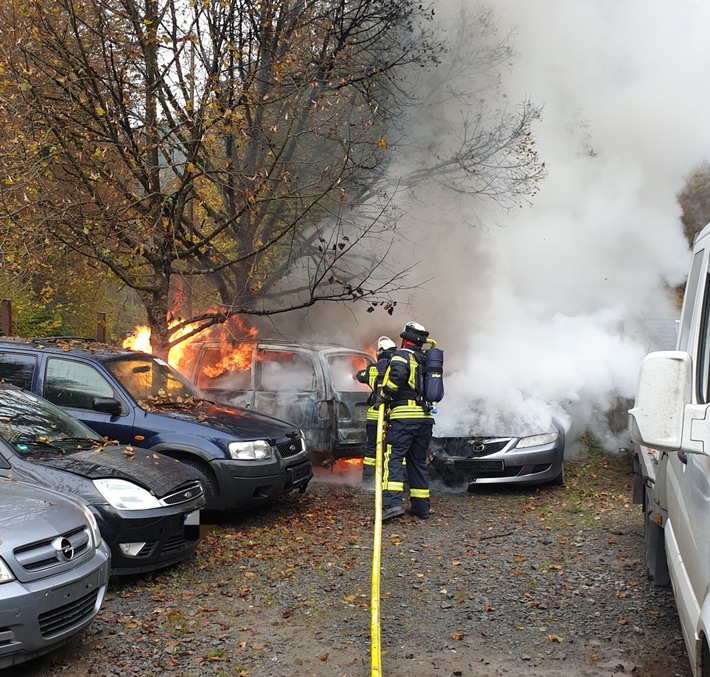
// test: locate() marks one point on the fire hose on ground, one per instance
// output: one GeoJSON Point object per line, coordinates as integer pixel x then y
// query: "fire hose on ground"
{"type": "Point", "coordinates": [375, 654]}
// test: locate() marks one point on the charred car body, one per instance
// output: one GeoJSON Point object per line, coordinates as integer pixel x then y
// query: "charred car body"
{"type": "Point", "coordinates": [504, 452]}
{"type": "Point", "coordinates": [243, 459]}
{"type": "Point", "coordinates": [140, 500]}
{"type": "Point", "coordinates": [54, 570]}
{"type": "Point", "coordinates": [309, 385]}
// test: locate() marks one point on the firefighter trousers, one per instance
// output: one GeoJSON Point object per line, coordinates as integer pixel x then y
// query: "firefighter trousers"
{"type": "Point", "coordinates": [406, 456]}
{"type": "Point", "coordinates": [368, 463]}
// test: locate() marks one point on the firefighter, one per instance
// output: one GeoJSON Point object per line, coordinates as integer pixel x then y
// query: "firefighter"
{"type": "Point", "coordinates": [373, 376]}
{"type": "Point", "coordinates": [409, 428]}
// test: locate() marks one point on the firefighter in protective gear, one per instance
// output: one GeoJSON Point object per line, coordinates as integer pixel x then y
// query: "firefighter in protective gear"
{"type": "Point", "coordinates": [373, 375]}
{"type": "Point", "coordinates": [409, 428]}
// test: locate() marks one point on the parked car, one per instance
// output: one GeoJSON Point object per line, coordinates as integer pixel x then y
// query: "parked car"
{"type": "Point", "coordinates": [54, 569]}
{"type": "Point", "coordinates": [140, 500]}
{"type": "Point", "coordinates": [310, 385]}
{"type": "Point", "coordinates": [244, 459]}
{"type": "Point", "coordinates": [502, 453]}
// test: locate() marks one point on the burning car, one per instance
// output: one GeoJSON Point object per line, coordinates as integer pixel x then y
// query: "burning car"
{"type": "Point", "coordinates": [243, 459]}
{"type": "Point", "coordinates": [140, 500]}
{"type": "Point", "coordinates": [501, 449]}
{"type": "Point", "coordinates": [309, 385]}
{"type": "Point", "coordinates": [54, 570]}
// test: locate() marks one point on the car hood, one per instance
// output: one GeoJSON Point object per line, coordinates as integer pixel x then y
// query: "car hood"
{"type": "Point", "coordinates": [243, 423]}
{"type": "Point", "coordinates": [23, 504]}
{"type": "Point", "coordinates": [158, 474]}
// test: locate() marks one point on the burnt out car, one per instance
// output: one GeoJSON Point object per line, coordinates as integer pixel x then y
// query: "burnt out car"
{"type": "Point", "coordinates": [501, 449]}
{"type": "Point", "coordinates": [243, 459]}
{"type": "Point", "coordinates": [140, 500]}
{"type": "Point", "coordinates": [307, 384]}
{"type": "Point", "coordinates": [54, 570]}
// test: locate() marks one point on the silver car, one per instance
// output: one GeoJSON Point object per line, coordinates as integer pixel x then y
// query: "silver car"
{"type": "Point", "coordinates": [495, 454]}
{"type": "Point", "coordinates": [54, 570]}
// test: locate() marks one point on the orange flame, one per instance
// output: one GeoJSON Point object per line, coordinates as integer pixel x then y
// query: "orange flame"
{"type": "Point", "coordinates": [234, 356]}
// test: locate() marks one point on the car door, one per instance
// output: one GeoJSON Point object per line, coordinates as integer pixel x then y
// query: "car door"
{"type": "Point", "coordinates": [74, 385]}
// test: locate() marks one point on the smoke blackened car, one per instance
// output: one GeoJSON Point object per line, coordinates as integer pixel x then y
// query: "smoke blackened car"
{"type": "Point", "coordinates": [311, 385]}
{"type": "Point", "coordinates": [501, 449]}
{"type": "Point", "coordinates": [242, 458]}
{"type": "Point", "coordinates": [141, 501]}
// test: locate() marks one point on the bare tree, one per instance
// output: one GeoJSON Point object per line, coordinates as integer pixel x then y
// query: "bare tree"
{"type": "Point", "coordinates": [237, 147]}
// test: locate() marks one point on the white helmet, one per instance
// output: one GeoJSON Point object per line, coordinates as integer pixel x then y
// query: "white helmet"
{"type": "Point", "coordinates": [385, 343]}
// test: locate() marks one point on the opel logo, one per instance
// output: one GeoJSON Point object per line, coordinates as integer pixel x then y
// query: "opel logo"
{"type": "Point", "coordinates": [64, 548]}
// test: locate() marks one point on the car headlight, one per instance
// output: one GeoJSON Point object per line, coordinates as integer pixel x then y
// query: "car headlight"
{"type": "Point", "coordinates": [536, 440]}
{"type": "Point", "coordinates": [5, 574]}
{"type": "Point", "coordinates": [250, 451]}
{"type": "Point", "coordinates": [125, 495]}
{"type": "Point", "coordinates": [93, 525]}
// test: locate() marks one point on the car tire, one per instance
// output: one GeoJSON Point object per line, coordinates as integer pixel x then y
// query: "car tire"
{"type": "Point", "coordinates": [705, 659]}
{"type": "Point", "coordinates": [559, 481]}
{"type": "Point", "coordinates": [207, 479]}
{"type": "Point", "coordinates": [655, 547]}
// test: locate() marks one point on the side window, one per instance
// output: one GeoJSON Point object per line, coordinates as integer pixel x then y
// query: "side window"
{"type": "Point", "coordinates": [73, 384]}
{"type": "Point", "coordinates": [232, 372]}
{"type": "Point", "coordinates": [692, 289]}
{"type": "Point", "coordinates": [342, 368]}
{"type": "Point", "coordinates": [17, 369]}
{"type": "Point", "coordinates": [703, 358]}
{"type": "Point", "coordinates": [287, 370]}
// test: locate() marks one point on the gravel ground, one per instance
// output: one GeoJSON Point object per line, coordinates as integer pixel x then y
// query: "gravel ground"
{"type": "Point", "coordinates": [499, 581]}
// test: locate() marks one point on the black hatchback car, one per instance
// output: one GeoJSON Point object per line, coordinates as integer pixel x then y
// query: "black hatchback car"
{"type": "Point", "coordinates": [243, 458]}
{"type": "Point", "coordinates": [140, 500]}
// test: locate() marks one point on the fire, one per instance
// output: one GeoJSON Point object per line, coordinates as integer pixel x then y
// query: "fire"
{"type": "Point", "coordinates": [234, 356]}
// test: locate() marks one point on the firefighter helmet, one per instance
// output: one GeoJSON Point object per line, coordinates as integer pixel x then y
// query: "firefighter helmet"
{"type": "Point", "coordinates": [385, 343]}
{"type": "Point", "coordinates": [414, 332]}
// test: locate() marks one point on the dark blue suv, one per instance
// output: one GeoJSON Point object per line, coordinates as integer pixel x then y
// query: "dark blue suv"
{"type": "Point", "coordinates": [242, 458]}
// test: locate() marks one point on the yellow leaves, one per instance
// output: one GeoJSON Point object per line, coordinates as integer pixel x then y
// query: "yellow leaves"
{"type": "Point", "coordinates": [129, 453]}
{"type": "Point", "coordinates": [458, 636]}
{"type": "Point", "coordinates": [382, 143]}
{"type": "Point", "coordinates": [555, 638]}
{"type": "Point", "coordinates": [100, 112]}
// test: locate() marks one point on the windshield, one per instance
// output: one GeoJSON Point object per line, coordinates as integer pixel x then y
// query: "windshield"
{"type": "Point", "coordinates": [28, 421]}
{"type": "Point", "coordinates": [151, 381]}
{"type": "Point", "coordinates": [343, 367]}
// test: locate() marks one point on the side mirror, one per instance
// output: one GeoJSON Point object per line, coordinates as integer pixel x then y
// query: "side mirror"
{"type": "Point", "coordinates": [107, 405]}
{"type": "Point", "coordinates": [664, 416]}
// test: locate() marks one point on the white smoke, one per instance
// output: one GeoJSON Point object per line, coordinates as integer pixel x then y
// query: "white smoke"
{"type": "Point", "coordinates": [530, 306]}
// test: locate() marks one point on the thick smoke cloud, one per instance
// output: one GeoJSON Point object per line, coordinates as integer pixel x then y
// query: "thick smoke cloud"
{"type": "Point", "coordinates": [533, 306]}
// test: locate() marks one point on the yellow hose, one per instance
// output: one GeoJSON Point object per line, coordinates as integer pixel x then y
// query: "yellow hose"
{"type": "Point", "coordinates": [376, 658]}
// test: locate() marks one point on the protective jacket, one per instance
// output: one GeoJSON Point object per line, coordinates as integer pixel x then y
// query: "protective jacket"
{"type": "Point", "coordinates": [403, 385]}
{"type": "Point", "coordinates": [373, 376]}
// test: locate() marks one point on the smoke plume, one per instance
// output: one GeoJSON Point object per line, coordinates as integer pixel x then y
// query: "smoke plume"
{"type": "Point", "coordinates": [532, 306]}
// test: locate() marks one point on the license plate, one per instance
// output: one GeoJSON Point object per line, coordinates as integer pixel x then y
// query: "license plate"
{"type": "Point", "coordinates": [299, 473]}
{"type": "Point", "coordinates": [192, 518]}
{"type": "Point", "coordinates": [486, 466]}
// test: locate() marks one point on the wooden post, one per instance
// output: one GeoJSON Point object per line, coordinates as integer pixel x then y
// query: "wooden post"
{"type": "Point", "coordinates": [6, 317]}
{"type": "Point", "coordinates": [101, 327]}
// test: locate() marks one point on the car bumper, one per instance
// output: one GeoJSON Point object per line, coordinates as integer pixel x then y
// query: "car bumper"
{"type": "Point", "coordinates": [147, 540]}
{"type": "Point", "coordinates": [534, 465]}
{"type": "Point", "coordinates": [41, 615]}
{"type": "Point", "coordinates": [246, 485]}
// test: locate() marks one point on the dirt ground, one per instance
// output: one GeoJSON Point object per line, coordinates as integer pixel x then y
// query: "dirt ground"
{"type": "Point", "coordinates": [499, 581]}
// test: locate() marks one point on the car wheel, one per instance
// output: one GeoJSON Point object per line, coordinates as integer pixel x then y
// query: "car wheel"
{"type": "Point", "coordinates": [655, 546]}
{"type": "Point", "coordinates": [559, 481]}
{"type": "Point", "coordinates": [705, 659]}
{"type": "Point", "coordinates": [209, 484]}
